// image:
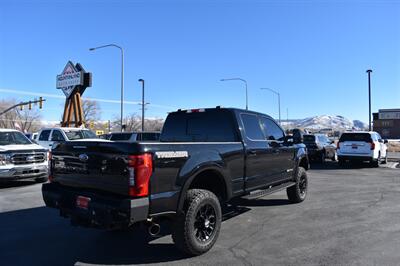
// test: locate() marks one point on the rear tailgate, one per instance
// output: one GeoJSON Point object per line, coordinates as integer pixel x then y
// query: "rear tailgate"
{"type": "Point", "coordinates": [99, 165]}
{"type": "Point", "coordinates": [355, 147]}
{"type": "Point", "coordinates": [355, 143]}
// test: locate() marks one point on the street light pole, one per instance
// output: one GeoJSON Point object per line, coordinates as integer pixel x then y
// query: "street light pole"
{"type": "Point", "coordinates": [142, 81]}
{"type": "Point", "coordinates": [122, 76]}
{"type": "Point", "coordinates": [369, 98]}
{"type": "Point", "coordinates": [279, 101]}
{"type": "Point", "coordinates": [245, 82]}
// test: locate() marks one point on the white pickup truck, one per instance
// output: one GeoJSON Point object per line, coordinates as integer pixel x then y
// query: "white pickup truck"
{"type": "Point", "coordinates": [20, 158]}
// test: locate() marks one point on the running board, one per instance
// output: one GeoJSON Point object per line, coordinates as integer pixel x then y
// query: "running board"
{"type": "Point", "coordinates": [263, 192]}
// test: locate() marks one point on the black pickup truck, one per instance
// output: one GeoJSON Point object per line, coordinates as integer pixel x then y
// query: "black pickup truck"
{"type": "Point", "coordinates": [205, 158]}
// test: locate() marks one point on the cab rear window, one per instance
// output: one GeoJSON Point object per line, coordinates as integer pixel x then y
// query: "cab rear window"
{"type": "Point", "coordinates": [355, 137]}
{"type": "Point", "coordinates": [206, 126]}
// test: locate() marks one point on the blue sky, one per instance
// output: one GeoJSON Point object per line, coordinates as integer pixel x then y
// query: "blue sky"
{"type": "Point", "coordinates": [314, 53]}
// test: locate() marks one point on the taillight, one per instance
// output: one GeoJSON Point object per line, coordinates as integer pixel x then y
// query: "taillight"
{"type": "Point", "coordinates": [372, 145]}
{"type": "Point", "coordinates": [140, 170]}
{"type": "Point", "coordinates": [49, 157]}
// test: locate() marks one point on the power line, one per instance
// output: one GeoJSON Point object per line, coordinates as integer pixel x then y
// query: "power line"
{"type": "Point", "coordinates": [49, 95]}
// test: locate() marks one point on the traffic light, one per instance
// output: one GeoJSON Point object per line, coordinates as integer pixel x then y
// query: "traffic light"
{"type": "Point", "coordinates": [30, 105]}
{"type": "Point", "coordinates": [21, 107]}
{"type": "Point", "coordinates": [40, 102]}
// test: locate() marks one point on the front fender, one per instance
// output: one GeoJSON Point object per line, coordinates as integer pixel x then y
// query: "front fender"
{"type": "Point", "coordinates": [300, 155]}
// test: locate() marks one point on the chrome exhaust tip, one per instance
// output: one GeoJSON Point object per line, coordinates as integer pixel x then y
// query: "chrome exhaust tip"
{"type": "Point", "coordinates": [154, 229]}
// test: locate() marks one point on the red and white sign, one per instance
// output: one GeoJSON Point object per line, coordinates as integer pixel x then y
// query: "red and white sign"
{"type": "Point", "coordinates": [69, 79]}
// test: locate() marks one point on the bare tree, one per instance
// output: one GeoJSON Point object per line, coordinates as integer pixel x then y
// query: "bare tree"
{"type": "Point", "coordinates": [154, 124]}
{"type": "Point", "coordinates": [24, 120]}
{"type": "Point", "coordinates": [133, 122]}
{"type": "Point", "coordinates": [91, 111]}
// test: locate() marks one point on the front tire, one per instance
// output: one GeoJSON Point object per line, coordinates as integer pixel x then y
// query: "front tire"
{"type": "Point", "coordinates": [196, 230]}
{"type": "Point", "coordinates": [298, 192]}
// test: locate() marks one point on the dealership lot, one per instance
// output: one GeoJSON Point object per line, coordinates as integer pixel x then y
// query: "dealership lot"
{"type": "Point", "coordinates": [350, 216]}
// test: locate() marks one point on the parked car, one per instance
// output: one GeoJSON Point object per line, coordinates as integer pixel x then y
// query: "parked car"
{"type": "Point", "coordinates": [320, 147]}
{"type": "Point", "coordinates": [48, 136]}
{"type": "Point", "coordinates": [362, 146]}
{"type": "Point", "coordinates": [20, 158]}
{"type": "Point", "coordinates": [205, 158]}
{"type": "Point", "coordinates": [135, 136]}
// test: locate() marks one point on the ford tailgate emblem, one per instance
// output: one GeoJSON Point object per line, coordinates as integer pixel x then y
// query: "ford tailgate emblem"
{"type": "Point", "coordinates": [83, 157]}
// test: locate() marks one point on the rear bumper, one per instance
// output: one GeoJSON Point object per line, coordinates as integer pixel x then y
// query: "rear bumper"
{"type": "Point", "coordinates": [23, 172]}
{"type": "Point", "coordinates": [104, 211]}
{"type": "Point", "coordinates": [359, 158]}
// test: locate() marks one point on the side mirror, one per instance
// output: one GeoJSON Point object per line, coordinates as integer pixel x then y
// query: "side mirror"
{"type": "Point", "coordinates": [385, 141]}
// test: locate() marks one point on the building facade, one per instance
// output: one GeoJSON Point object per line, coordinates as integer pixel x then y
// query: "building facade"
{"type": "Point", "coordinates": [387, 123]}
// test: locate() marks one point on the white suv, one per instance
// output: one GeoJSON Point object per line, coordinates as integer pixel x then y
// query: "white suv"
{"type": "Point", "coordinates": [362, 146]}
{"type": "Point", "coordinates": [47, 136]}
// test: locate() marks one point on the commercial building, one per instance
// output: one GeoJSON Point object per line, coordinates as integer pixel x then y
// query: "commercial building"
{"type": "Point", "coordinates": [387, 123]}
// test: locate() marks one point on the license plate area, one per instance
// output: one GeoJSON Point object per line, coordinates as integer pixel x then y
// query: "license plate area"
{"type": "Point", "coordinates": [354, 146]}
{"type": "Point", "coordinates": [82, 202]}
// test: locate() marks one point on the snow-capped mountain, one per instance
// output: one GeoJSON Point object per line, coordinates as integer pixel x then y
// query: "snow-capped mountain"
{"type": "Point", "coordinates": [335, 122]}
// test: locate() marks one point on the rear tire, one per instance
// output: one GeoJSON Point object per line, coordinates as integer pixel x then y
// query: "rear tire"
{"type": "Point", "coordinates": [298, 192]}
{"type": "Point", "coordinates": [375, 163]}
{"type": "Point", "coordinates": [196, 230]}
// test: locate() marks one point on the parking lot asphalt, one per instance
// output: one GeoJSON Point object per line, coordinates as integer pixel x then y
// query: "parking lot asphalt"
{"type": "Point", "coordinates": [351, 216]}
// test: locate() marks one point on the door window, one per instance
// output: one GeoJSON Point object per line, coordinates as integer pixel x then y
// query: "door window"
{"type": "Point", "coordinates": [252, 127]}
{"type": "Point", "coordinates": [44, 136]}
{"type": "Point", "coordinates": [271, 130]}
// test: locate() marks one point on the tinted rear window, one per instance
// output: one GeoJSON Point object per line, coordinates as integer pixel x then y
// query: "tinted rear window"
{"type": "Point", "coordinates": [355, 137]}
{"type": "Point", "coordinates": [121, 136]}
{"type": "Point", "coordinates": [308, 138]}
{"type": "Point", "coordinates": [211, 125]}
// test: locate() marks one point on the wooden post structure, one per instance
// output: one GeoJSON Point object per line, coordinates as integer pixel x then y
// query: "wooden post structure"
{"type": "Point", "coordinates": [73, 81]}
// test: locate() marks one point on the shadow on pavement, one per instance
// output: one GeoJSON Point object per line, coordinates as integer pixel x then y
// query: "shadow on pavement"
{"type": "Point", "coordinates": [11, 184]}
{"type": "Point", "coordinates": [38, 236]}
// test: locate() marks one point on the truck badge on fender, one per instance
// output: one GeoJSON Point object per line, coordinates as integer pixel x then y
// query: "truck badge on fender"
{"type": "Point", "coordinates": [172, 154]}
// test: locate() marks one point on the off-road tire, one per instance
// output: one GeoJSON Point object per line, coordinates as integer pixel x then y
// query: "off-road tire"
{"type": "Point", "coordinates": [298, 192]}
{"type": "Point", "coordinates": [183, 229]}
